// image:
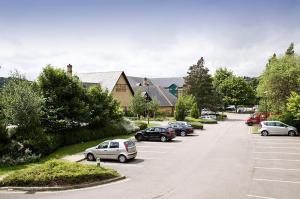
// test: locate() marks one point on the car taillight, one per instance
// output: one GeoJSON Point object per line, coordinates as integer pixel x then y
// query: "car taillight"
{"type": "Point", "coordinates": [126, 146]}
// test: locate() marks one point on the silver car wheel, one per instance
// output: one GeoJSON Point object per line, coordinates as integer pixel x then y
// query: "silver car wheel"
{"type": "Point", "coordinates": [163, 138]}
{"type": "Point", "coordinates": [122, 158]}
{"type": "Point", "coordinates": [90, 157]}
{"type": "Point", "coordinates": [292, 133]}
{"type": "Point", "coordinates": [264, 133]}
{"type": "Point", "coordinates": [182, 133]}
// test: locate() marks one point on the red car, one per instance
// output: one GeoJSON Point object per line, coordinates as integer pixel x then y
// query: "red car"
{"type": "Point", "coordinates": [256, 118]}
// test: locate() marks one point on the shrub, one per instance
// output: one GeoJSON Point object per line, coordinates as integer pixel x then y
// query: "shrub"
{"type": "Point", "coordinates": [180, 109]}
{"type": "Point", "coordinates": [141, 125]}
{"type": "Point", "coordinates": [57, 172]}
{"type": "Point", "coordinates": [195, 111]}
{"type": "Point", "coordinates": [28, 157]}
{"type": "Point", "coordinates": [204, 121]}
{"type": "Point", "coordinates": [197, 125]}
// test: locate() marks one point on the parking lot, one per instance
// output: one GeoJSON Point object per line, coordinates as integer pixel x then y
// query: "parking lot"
{"type": "Point", "coordinates": [276, 167]}
{"type": "Point", "coordinates": [223, 161]}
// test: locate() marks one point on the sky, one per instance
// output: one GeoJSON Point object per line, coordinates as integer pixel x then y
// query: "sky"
{"type": "Point", "coordinates": [147, 38]}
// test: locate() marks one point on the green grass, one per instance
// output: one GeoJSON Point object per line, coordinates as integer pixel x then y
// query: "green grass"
{"type": "Point", "coordinates": [60, 153]}
{"type": "Point", "coordinates": [57, 172]}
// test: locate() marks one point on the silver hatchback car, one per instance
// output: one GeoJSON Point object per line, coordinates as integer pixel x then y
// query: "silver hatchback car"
{"type": "Point", "coordinates": [277, 128]}
{"type": "Point", "coordinates": [118, 149]}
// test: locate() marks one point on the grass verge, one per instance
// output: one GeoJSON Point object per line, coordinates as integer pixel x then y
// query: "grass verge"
{"type": "Point", "coordinates": [57, 173]}
{"type": "Point", "coordinates": [60, 153]}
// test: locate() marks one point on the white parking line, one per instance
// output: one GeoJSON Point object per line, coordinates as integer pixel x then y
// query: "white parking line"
{"type": "Point", "coordinates": [276, 159]}
{"type": "Point", "coordinates": [281, 181]}
{"type": "Point", "coordinates": [274, 168]}
{"type": "Point", "coordinates": [163, 147]}
{"type": "Point", "coordinates": [152, 152]}
{"type": "Point", "coordinates": [279, 139]}
{"type": "Point", "coordinates": [279, 143]}
{"type": "Point", "coordinates": [256, 196]}
{"type": "Point", "coordinates": [276, 147]}
{"type": "Point", "coordinates": [277, 152]}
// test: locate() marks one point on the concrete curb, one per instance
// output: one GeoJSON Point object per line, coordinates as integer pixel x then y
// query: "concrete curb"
{"type": "Point", "coordinates": [61, 188]}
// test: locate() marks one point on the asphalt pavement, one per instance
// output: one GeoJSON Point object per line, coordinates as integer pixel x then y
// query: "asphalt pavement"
{"type": "Point", "coordinates": [223, 161]}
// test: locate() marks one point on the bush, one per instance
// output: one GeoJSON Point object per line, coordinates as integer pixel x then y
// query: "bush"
{"type": "Point", "coordinates": [87, 133]}
{"type": "Point", "coordinates": [221, 117]}
{"type": "Point", "coordinates": [141, 125]}
{"type": "Point", "coordinates": [57, 172]}
{"type": "Point", "coordinates": [204, 121]}
{"type": "Point", "coordinates": [28, 157]}
{"type": "Point", "coordinates": [180, 109]}
{"type": "Point", "coordinates": [197, 125]}
{"type": "Point", "coordinates": [195, 111]}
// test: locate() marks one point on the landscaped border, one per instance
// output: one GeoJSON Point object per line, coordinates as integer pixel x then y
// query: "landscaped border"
{"type": "Point", "coordinates": [61, 188]}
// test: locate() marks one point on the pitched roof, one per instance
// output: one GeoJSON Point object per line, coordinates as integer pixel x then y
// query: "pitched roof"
{"type": "Point", "coordinates": [164, 97]}
{"type": "Point", "coordinates": [107, 80]}
{"type": "Point", "coordinates": [168, 81]}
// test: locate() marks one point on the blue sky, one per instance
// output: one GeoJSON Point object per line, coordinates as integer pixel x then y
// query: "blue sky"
{"type": "Point", "coordinates": [145, 38]}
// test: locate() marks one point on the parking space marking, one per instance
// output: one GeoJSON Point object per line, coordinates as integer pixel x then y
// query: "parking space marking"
{"type": "Point", "coordinates": [274, 168]}
{"type": "Point", "coordinates": [256, 196]}
{"type": "Point", "coordinates": [272, 180]}
{"type": "Point", "coordinates": [276, 159]}
{"type": "Point", "coordinates": [276, 152]}
{"type": "Point", "coordinates": [163, 147]}
{"type": "Point", "coordinates": [152, 152]}
{"type": "Point", "coordinates": [276, 147]}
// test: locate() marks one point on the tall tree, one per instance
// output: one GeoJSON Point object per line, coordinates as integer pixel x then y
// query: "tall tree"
{"type": "Point", "coordinates": [290, 51]}
{"type": "Point", "coordinates": [278, 80]}
{"type": "Point", "coordinates": [180, 109]}
{"type": "Point", "coordinates": [293, 105]}
{"type": "Point", "coordinates": [153, 106]}
{"type": "Point", "coordinates": [138, 103]}
{"type": "Point", "coordinates": [220, 75]}
{"type": "Point", "coordinates": [236, 91]}
{"type": "Point", "coordinates": [65, 99]}
{"type": "Point", "coordinates": [199, 83]}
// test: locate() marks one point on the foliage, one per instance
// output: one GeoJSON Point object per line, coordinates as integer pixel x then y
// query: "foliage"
{"type": "Point", "coordinates": [141, 125]}
{"type": "Point", "coordinates": [153, 106]}
{"type": "Point", "coordinates": [199, 83]}
{"type": "Point", "coordinates": [102, 107]}
{"type": "Point", "coordinates": [237, 91]}
{"type": "Point", "coordinates": [21, 103]}
{"type": "Point", "coordinates": [195, 111]}
{"type": "Point", "coordinates": [204, 121]}
{"type": "Point", "coordinates": [65, 103]}
{"type": "Point", "coordinates": [189, 101]}
{"type": "Point", "coordinates": [280, 78]}
{"type": "Point", "coordinates": [293, 105]}
{"type": "Point", "coordinates": [221, 74]}
{"type": "Point", "coordinates": [196, 125]}
{"type": "Point", "coordinates": [57, 172]}
{"type": "Point", "coordinates": [138, 103]}
{"type": "Point", "coordinates": [180, 109]}
{"type": "Point", "coordinates": [28, 157]}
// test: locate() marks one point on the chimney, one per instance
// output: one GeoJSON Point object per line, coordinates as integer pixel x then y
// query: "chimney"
{"type": "Point", "coordinates": [69, 70]}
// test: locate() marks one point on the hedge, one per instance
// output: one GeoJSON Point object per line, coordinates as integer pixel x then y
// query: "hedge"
{"type": "Point", "coordinates": [196, 125]}
{"type": "Point", "coordinates": [57, 172]}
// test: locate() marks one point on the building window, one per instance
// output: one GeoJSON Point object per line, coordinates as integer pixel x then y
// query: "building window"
{"type": "Point", "coordinates": [121, 87]}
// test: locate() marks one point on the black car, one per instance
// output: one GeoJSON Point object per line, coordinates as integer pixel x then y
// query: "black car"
{"type": "Point", "coordinates": [156, 134]}
{"type": "Point", "coordinates": [182, 130]}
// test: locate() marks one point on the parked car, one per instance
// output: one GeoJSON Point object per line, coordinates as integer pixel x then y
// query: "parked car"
{"type": "Point", "coordinates": [256, 118]}
{"type": "Point", "coordinates": [182, 130]}
{"type": "Point", "coordinates": [209, 117]}
{"type": "Point", "coordinates": [277, 128]}
{"type": "Point", "coordinates": [156, 134]}
{"type": "Point", "coordinates": [184, 123]}
{"type": "Point", "coordinates": [118, 149]}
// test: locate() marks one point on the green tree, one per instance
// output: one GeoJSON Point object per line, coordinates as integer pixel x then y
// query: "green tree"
{"type": "Point", "coordinates": [290, 51]}
{"type": "Point", "coordinates": [279, 79]}
{"type": "Point", "coordinates": [21, 103]}
{"type": "Point", "coordinates": [199, 83]}
{"type": "Point", "coordinates": [102, 107]}
{"type": "Point", "coordinates": [293, 105]}
{"type": "Point", "coordinates": [236, 91]}
{"type": "Point", "coordinates": [189, 101]}
{"type": "Point", "coordinates": [180, 109]}
{"type": "Point", "coordinates": [138, 103]}
{"type": "Point", "coordinates": [195, 111]}
{"type": "Point", "coordinates": [153, 106]}
{"type": "Point", "coordinates": [220, 75]}
{"type": "Point", "coordinates": [65, 99]}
